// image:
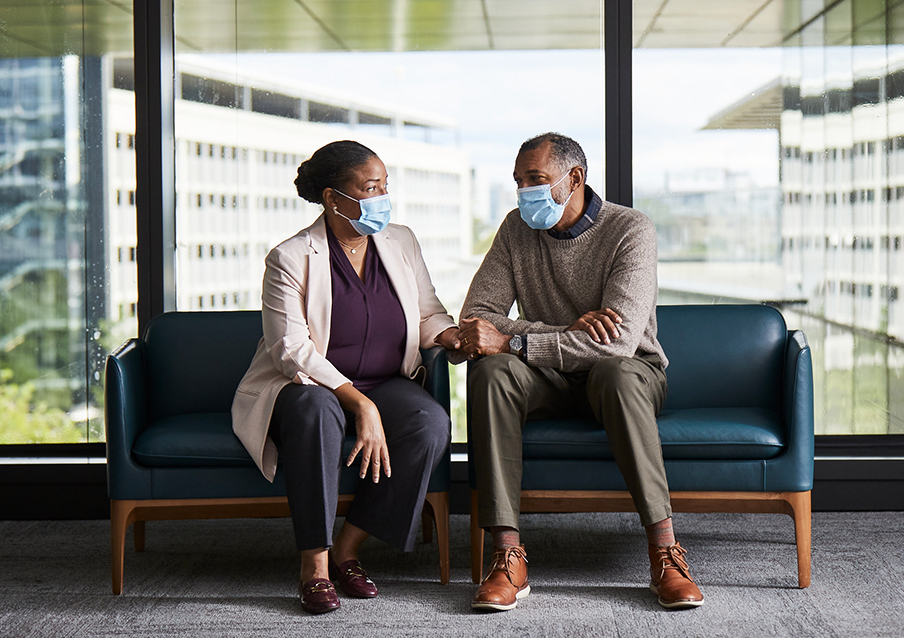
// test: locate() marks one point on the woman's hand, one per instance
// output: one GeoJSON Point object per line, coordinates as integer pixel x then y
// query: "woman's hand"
{"type": "Point", "coordinates": [371, 441]}
{"type": "Point", "coordinates": [599, 324]}
{"type": "Point", "coordinates": [448, 339]}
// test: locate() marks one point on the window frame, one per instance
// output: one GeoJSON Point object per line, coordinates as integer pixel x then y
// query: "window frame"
{"type": "Point", "coordinates": [154, 40]}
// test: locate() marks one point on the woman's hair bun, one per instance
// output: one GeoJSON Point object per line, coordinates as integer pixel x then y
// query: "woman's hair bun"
{"type": "Point", "coordinates": [303, 184]}
{"type": "Point", "coordinates": [330, 166]}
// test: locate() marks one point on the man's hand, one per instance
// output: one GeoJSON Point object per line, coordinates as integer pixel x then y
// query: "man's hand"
{"type": "Point", "coordinates": [480, 337]}
{"type": "Point", "coordinates": [599, 324]}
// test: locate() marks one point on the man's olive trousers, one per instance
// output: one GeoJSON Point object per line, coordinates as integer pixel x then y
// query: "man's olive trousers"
{"type": "Point", "coordinates": [624, 394]}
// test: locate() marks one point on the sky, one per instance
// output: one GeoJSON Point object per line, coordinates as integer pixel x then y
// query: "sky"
{"type": "Point", "coordinates": [501, 98]}
{"type": "Point", "coordinates": [677, 91]}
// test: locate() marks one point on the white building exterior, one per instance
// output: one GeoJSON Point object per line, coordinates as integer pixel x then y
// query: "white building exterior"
{"type": "Point", "coordinates": [842, 177]}
{"type": "Point", "coordinates": [239, 141]}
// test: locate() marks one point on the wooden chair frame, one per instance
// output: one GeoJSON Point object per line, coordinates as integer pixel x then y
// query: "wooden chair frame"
{"type": "Point", "coordinates": [794, 504]}
{"type": "Point", "coordinates": [128, 512]}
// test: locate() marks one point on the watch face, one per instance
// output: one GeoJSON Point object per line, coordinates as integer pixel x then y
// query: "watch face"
{"type": "Point", "coordinates": [515, 343]}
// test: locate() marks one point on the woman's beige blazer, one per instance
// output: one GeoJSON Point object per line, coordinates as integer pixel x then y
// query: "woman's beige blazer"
{"type": "Point", "coordinates": [296, 309]}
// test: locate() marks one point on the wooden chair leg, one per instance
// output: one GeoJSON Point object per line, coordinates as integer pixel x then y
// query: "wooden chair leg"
{"type": "Point", "coordinates": [138, 533]}
{"type": "Point", "coordinates": [439, 503]}
{"type": "Point", "coordinates": [427, 525]}
{"type": "Point", "coordinates": [802, 515]}
{"type": "Point", "coordinates": [476, 542]}
{"type": "Point", "coordinates": [121, 515]}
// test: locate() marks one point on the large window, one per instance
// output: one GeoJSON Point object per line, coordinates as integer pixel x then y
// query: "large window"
{"type": "Point", "coordinates": [67, 216]}
{"type": "Point", "coordinates": [775, 173]}
{"type": "Point", "coordinates": [768, 148]}
{"type": "Point", "coordinates": [444, 92]}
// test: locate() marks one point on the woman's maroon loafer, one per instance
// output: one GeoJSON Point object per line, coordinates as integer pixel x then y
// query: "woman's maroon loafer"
{"type": "Point", "coordinates": [353, 580]}
{"type": "Point", "coordinates": [318, 596]}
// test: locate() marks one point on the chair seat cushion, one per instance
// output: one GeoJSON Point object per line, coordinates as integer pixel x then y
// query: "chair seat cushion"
{"type": "Point", "coordinates": [191, 440]}
{"type": "Point", "coordinates": [200, 440]}
{"type": "Point", "coordinates": [699, 434]}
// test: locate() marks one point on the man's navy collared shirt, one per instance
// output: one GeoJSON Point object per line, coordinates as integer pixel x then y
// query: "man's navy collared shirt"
{"type": "Point", "coordinates": [586, 220]}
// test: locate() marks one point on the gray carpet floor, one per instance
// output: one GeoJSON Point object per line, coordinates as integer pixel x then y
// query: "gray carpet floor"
{"type": "Point", "coordinates": [588, 573]}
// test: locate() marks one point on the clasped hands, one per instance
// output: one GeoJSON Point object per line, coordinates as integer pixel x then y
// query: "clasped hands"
{"type": "Point", "coordinates": [478, 337]}
{"type": "Point", "coordinates": [475, 337]}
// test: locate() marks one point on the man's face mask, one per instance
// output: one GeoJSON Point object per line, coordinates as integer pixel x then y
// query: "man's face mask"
{"type": "Point", "coordinates": [538, 208]}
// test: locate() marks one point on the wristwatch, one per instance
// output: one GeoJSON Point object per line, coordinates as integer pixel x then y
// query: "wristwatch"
{"type": "Point", "coordinates": [516, 346]}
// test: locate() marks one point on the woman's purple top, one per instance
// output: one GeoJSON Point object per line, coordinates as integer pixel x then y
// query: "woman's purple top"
{"type": "Point", "coordinates": [367, 326]}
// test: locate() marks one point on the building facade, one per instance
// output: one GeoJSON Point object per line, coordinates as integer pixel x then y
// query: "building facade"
{"type": "Point", "coordinates": [239, 141]}
{"type": "Point", "coordinates": [68, 269]}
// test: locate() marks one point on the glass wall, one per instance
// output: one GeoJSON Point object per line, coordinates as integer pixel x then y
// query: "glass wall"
{"type": "Point", "coordinates": [785, 122]}
{"type": "Point", "coordinates": [768, 146]}
{"type": "Point", "coordinates": [67, 217]}
{"type": "Point", "coordinates": [443, 92]}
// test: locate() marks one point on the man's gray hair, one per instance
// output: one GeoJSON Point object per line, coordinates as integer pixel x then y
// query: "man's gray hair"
{"type": "Point", "coordinates": [566, 153]}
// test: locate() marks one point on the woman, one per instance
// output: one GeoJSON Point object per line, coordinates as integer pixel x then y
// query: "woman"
{"type": "Point", "coordinates": [347, 302]}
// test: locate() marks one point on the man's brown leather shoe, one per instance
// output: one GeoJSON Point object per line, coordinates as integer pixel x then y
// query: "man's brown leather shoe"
{"type": "Point", "coordinates": [671, 579]}
{"type": "Point", "coordinates": [506, 583]}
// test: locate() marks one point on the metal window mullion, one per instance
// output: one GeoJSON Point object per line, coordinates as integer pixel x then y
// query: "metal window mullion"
{"type": "Point", "coordinates": [618, 45]}
{"type": "Point", "coordinates": [155, 197]}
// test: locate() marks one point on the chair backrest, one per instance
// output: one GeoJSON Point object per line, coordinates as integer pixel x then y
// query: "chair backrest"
{"type": "Point", "coordinates": [723, 355]}
{"type": "Point", "coordinates": [194, 361]}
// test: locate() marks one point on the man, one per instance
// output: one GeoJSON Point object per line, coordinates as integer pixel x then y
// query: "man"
{"type": "Point", "coordinates": [583, 273]}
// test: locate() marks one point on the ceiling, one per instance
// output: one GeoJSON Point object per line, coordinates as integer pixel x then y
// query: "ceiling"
{"type": "Point", "coordinates": [52, 27]}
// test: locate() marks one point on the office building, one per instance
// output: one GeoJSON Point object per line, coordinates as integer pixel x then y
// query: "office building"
{"type": "Point", "coordinates": [239, 141]}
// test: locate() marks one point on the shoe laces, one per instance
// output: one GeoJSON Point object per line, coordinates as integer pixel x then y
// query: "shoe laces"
{"type": "Point", "coordinates": [672, 557]}
{"type": "Point", "coordinates": [503, 558]}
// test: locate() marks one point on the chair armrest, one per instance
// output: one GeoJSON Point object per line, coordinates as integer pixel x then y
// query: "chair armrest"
{"type": "Point", "coordinates": [125, 417]}
{"type": "Point", "coordinates": [793, 471]}
{"type": "Point", "coordinates": [437, 380]}
{"type": "Point", "coordinates": [437, 384]}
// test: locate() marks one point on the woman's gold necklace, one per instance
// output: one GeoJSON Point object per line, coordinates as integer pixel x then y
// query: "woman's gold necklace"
{"type": "Point", "coordinates": [352, 249]}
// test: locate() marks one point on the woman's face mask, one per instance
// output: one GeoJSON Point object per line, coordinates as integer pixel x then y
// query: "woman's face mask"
{"type": "Point", "coordinates": [375, 213]}
{"type": "Point", "coordinates": [538, 208]}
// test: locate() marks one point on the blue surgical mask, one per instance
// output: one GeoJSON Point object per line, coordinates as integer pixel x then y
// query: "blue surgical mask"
{"type": "Point", "coordinates": [538, 209]}
{"type": "Point", "coordinates": [374, 213]}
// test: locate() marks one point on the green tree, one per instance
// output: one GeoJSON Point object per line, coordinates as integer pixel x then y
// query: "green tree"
{"type": "Point", "coordinates": [22, 421]}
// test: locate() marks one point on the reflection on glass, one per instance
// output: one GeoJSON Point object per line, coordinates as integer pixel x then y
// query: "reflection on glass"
{"type": "Point", "coordinates": [832, 99]}
{"type": "Point", "coordinates": [67, 221]}
{"type": "Point", "coordinates": [36, 345]}
{"type": "Point", "coordinates": [857, 378]}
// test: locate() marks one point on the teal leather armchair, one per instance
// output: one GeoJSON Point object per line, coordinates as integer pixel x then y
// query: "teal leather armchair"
{"type": "Point", "coordinates": [736, 429]}
{"type": "Point", "coordinates": [171, 452]}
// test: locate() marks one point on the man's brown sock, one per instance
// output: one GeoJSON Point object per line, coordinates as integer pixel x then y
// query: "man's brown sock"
{"type": "Point", "coordinates": [505, 537]}
{"type": "Point", "coordinates": [661, 534]}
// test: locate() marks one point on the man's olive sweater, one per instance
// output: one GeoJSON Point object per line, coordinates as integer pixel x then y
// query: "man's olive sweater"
{"type": "Point", "coordinates": [612, 264]}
